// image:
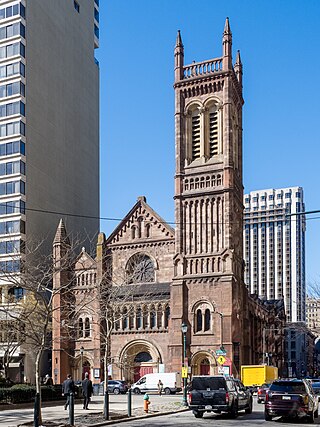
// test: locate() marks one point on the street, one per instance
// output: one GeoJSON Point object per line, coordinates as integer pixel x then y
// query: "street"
{"type": "Point", "coordinates": [15, 417]}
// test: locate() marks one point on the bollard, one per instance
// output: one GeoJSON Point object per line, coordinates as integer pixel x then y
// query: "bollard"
{"type": "Point", "coordinates": [146, 403]}
{"type": "Point", "coordinates": [129, 402]}
{"type": "Point", "coordinates": [71, 409]}
{"type": "Point", "coordinates": [36, 410]}
{"type": "Point", "coordinates": [106, 405]}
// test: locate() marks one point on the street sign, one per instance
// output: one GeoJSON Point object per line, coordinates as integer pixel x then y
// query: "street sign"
{"type": "Point", "coordinates": [224, 370]}
{"type": "Point", "coordinates": [184, 372]}
{"type": "Point", "coordinates": [221, 352]}
{"type": "Point", "coordinates": [221, 360]}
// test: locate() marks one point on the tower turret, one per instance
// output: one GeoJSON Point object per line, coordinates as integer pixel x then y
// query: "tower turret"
{"type": "Point", "coordinates": [238, 68]}
{"type": "Point", "coordinates": [227, 46]}
{"type": "Point", "coordinates": [178, 58]}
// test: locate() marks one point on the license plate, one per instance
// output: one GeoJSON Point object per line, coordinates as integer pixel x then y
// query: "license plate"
{"type": "Point", "coordinates": [286, 397]}
{"type": "Point", "coordinates": [208, 407]}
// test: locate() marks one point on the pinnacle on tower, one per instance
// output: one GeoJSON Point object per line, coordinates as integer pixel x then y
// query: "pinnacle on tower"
{"type": "Point", "coordinates": [61, 233]}
{"type": "Point", "coordinates": [178, 58]}
{"type": "Point", "coordinates": [227, 46]}
{"type": "Point", "coordinates": [238, 67]}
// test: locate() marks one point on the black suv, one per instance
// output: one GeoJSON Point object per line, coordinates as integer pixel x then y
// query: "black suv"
{"type": "Point", "coordinates": [291, 398]}
{"type": "Point", "coordinates": [218, 394]}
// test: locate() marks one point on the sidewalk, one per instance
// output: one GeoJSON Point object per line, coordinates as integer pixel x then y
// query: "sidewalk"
{"type": "Point", "coordinates": [57, 416]}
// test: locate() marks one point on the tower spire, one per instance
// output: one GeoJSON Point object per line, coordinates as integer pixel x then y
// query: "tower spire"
{"type": "Point", "coordinates": [178, 58]}
{"type": "Point", "coordinates": [238, 68]}
{"type": "Point", "coordinates": [227, 46]}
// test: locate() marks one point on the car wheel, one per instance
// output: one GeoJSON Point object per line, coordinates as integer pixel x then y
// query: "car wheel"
{"type": "Point", "coordinates": [234, 410]}
{"type": "Point", "coordinates": [249, 408]}
{"type": "Point", "coordinates": [116, 390]}
{"type": "Point", "coordinates": [136, 391]}
{"type": "Point", "coordinates": [259, 400]}
{"type": "Point", "coordinates": [198, 414]}
{"type": "Point", "coordinates": [267, 417]}
{"type": "Point", "coordinates": [167, 390]}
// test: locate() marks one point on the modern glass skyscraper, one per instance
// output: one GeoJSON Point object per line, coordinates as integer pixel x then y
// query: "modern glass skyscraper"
{"type": "Point", "coordinates": [49, 124]}
{"type": "Point", "coordinates": [274, 247]}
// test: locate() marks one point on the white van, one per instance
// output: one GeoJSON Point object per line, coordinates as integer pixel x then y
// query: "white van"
{"type": "Point", "coordinates": [149, 382]}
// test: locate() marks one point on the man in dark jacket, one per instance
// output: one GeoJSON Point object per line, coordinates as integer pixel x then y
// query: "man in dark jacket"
{"type": "Point", "coordinates": [87, 390]}
{"type": "Point", "coordinates": [67, 388]}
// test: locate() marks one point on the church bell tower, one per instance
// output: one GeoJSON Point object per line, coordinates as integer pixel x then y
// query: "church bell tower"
{"type": "Point", "coordinates": [208, 289]}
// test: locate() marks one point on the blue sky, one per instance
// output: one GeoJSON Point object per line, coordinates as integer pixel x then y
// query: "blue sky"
{"type": "Point", "coordinates": [279, 42]}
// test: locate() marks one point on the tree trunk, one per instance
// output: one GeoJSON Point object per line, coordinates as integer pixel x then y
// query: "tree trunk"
{"type": "Point", "coordinates": [38, 384]}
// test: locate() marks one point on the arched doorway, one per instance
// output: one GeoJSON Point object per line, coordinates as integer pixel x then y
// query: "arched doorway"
{"type": "Point", "coordinates": [203, 363]}
{"type": "Point", "coordinates": [137, 359]}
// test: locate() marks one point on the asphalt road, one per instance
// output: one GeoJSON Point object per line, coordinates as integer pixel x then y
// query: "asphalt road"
{"type": "Point", "coordinates": [187, 419]}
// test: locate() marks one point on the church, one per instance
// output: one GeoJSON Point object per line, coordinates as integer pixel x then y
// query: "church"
{"type": "Point", "coordinates": [148, 279]}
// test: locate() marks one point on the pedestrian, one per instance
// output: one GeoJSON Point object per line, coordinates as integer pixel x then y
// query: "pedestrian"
{"type": "Point", "coordinates": [160, 387]}
{"type": "Point", "coordinates": [48, 380]}
{"type": "Point", "coordinates": [67, 388]}
{"type": "Point", "coordinates": [87, 390]}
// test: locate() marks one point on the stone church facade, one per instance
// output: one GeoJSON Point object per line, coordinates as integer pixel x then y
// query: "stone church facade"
{"type": "Point", "coordinates": [190, 274]}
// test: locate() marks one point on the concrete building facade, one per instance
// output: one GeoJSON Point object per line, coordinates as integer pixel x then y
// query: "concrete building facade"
{"type": "Point", "coordinates": [49, 125]}
{"type": "Point", "coordinates": [274, 247]}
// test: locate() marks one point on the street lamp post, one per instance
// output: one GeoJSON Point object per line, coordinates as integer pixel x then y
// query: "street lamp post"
{"type": "Point", "coordinates": [184, 329]}
{"type": "Point", "coordinates": [81, 362]}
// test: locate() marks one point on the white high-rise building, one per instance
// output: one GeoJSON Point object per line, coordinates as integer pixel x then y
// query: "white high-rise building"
{"type": "Point", "coordinates": [274, 247]}
{"type": "Point", "coordinates": [49, 126]}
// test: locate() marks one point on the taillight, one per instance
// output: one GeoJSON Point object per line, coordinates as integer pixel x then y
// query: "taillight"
{"type": "Point", "coordinates": [306, 399]}
{"type": "Point", "coordinates": [227, 397]}
{"type": "Point", "coordinates": [267, 396]}
{"type": "Point", "coordinates": [259, 390]}
{"type": "Point", "coordinates": [189, 398]}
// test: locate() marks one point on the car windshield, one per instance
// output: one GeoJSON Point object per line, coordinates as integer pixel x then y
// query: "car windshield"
{"type": "Point", "coordinates": [288, 387]}
{"type": "Point", "coordinates": [204, 383]}
{"type": "Point", "coordinates": [316, 385]}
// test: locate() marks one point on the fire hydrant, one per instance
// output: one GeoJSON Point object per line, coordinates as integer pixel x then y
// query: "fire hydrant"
{"type": "Point", "coordinates": [146, 403]}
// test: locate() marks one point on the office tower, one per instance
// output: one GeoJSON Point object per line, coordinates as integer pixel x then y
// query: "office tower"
{"type": "Point", "coordinates": [49, 124]}
{"type": "Point", "coordinates": [274, 247]}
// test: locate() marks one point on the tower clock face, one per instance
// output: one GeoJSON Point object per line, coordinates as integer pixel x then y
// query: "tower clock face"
{"type": "Point", "coordinates": [140, 269]}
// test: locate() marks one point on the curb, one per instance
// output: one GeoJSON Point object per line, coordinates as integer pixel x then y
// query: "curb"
{"type": "Point", "coordinates": [140, 417]}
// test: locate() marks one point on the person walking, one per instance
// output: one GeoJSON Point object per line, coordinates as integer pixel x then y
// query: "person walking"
{"type": "Point", "coordinates": [87, 390]}
{"type": "Point", "coordinates": [160, 387]}
{"type": "Point", "coordinates": [48, 380]}
{"type": "Point", "coordinates": [67, 388]}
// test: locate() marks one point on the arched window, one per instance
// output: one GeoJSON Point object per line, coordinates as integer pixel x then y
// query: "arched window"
{"type": "Point", "coordinates": [143, 356]}
{"type": "Point", "coordinates": [80, 328]}
{"type": "Point", "coordinates": [195, 134]}
{"type": "Point", "coordinates": [207, 320]}
{"type": "Point", "coordinates": [152, 317]}
{"type": "Point", "coordinates": [213, 131]}
{"type": "Point", "coordinates": [199, 320]}
{"type": "Point", "coordinates": [140, 269]}
{"type": "Point", "coordinates": [133, 232]}
{"type": "Point", "coordinates": [140, 220]}
{"type": "Point", "coordinates": [159, 316]}
{"type": "Point", "coordinates": [139, 318]}
{"type": "Point", "coordinates": [87, 327]}
{"type": "Point", "coordinates": [166, 316]}
{"type": "Point", "coordinates": [125, 318]}
{"type": "Point", "coordinates": [147, 230]}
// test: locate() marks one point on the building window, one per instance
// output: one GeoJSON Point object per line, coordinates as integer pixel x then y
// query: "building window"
{"type": "Point", "coordinates": [213, 132]}
{"type": "Point", "coordinates": [76, 6]}
{"type": "Point", "coordinates": [207, 320]}
{"type": "Point", "coordinates": [12, 187]}
{"type": "Point", "coordinates": [16, 88]}
{"type": "Point", "coordinates": [199, 320]}
{"type": "Point", "coordinates": [140, 269]}
{"type": "Point", "coordinates": [87, 327]}
{"type": "Point", "coordinates": [80, 328]}
{"type": "Point", "coordinates": [195, 134]}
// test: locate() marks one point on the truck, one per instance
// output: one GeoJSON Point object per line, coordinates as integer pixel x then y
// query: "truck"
{"type": "Point", "coordinates": [149, 383]}
{"type": "Point", "coordinates": [218, 394]}
{"type": "Point", "coordinates": [256, 375]}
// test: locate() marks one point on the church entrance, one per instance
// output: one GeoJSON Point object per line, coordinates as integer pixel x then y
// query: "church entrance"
{"type": "Point", "coordinates": [138, 359]}
{"type": "Point", "coordinates": [203, 363]}
{"type": "Point", "coordinates": [205, 367]}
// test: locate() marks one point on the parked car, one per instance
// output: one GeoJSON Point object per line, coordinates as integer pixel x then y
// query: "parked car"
{"type": "Point", "coordinates": [149, 383]}
{"type": "Point", "coordinates": [218, 394]}
{"type": "Point", "coordinates": [115, 386]}
{"type": "Point", "coordinates": [291, 398]}
{"type": "Point", "coordinates": [261, 392]}
{"type": "Point", "coordinates": [316, 388]}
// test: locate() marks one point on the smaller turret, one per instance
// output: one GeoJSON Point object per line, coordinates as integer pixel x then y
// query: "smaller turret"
{"type": "Point", "coordinates": [227, 46]}
{"type": "Point", "coordinates": [178, 58]}
{"type": "Point", "coordinates": [238, 68]}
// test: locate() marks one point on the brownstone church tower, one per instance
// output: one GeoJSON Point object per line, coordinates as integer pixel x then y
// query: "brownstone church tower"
{"type": "Point", "coordinates": [192, 274]}
{"type": "Point", "coordinates": [208, 288]}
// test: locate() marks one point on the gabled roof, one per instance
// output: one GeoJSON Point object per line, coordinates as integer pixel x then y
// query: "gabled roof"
{"type": "Point", "coordinates": [122, 233]}
{"type": "Point", "coordinates": [84, 261]}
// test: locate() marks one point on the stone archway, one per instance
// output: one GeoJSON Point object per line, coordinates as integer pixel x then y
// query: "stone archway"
{"type": "Point", "coordinates": [139, 358]}
{"type": "Point", "coordinates": [203, 363]}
